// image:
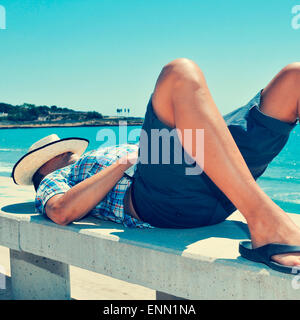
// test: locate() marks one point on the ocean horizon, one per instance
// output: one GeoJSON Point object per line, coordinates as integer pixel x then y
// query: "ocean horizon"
{"type": "Point", "coordinates": [281, 181]}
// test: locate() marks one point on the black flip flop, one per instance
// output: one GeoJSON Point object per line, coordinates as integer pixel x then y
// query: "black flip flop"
{"type": "Point", "coordinates": [263, 255]}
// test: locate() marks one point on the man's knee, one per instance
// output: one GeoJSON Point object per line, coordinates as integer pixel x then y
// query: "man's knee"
{"type": "Point", "coordinates": [292, 71]}
{"type": "Point", "coordinates": [183, 71]}
{"type": "Point", "coordinates": [181, 64]}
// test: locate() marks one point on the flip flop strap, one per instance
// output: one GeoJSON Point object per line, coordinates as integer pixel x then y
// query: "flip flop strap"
{"type": "Point", "coordinates": [272, 249]}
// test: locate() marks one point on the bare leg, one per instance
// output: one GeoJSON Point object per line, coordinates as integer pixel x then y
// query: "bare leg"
{"type": "Point", "coordinates": [182, 99]}
{"type": "Point", "coordinates": [281, 98]}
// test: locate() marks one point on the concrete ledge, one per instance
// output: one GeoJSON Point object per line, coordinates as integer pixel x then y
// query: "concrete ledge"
{"type": "Point", "coordinates": [34, 277]}
{"type": "Point", "coordinates": [199, 263]}
{"type": "Point", "coordinates": [85, 284]}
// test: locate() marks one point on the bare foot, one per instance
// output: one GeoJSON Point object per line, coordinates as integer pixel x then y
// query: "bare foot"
{"type": "Point", "coordinates": [276, 227]}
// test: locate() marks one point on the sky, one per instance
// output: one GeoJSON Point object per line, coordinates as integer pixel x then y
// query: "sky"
{"type": "Point", "coordinates": [107, 54]}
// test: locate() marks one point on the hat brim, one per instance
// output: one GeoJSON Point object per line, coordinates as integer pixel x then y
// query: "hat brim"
{"type": "Point", "coordinates": [26, 167]}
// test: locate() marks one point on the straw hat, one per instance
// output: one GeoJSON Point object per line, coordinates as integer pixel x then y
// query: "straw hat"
{"type": "Point", "coordinates": [41, 152]}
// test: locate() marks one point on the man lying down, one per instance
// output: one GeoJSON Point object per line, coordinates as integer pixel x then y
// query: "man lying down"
{"type": "Point", "coordinates": [237, 150]}
{"type": "Point", "coordinates": [59, 172]}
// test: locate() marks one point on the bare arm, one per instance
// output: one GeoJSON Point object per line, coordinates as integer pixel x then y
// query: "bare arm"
{"type": "Point", "coordinates": [83, 197]}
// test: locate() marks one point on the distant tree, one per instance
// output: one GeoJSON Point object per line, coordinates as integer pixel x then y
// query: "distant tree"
{"type": "Point", "coordinates": [23, 114]}
{"type": "Point", "coordinates": [27, 105]}
{"type": "Point", "coordinates": [53, 108]}
{"type": "Point", "coordinates": [93, 115]}
{"type": "Point", "coordinates": [43, 110]}
{"type": "Point", "coordinates": [6, 108]}
{"type": "Point", "coordinates": [32, 113]}
{"type": "Point", "coordinates": [67, 110]}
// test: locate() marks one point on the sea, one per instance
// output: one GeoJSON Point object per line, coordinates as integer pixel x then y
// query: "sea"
{"type": "Point", "coordinates": [281, 181]}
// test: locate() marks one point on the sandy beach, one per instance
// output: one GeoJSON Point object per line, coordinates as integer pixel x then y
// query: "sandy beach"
{"type": "Point", "coordinates": [85, 285]}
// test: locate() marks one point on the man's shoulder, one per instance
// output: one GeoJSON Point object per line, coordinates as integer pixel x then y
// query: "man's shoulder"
{"type": "Point", "coordinates": [57, 175]}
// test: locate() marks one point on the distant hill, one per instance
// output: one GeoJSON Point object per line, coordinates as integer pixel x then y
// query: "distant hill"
{"type": "Point", "coordinates": [31, 112]}
{"type": "Point", "coordinates": [30, 115]}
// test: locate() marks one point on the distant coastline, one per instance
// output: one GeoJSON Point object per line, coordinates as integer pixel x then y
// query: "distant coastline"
{"type": "Point", "coordinates": [32, 116]}
{"type": "Point", "coordinates": [92, 123]}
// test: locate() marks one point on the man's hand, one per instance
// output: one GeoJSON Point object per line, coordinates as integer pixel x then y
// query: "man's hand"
{"type": "Point", "coordinates": [130, 159]}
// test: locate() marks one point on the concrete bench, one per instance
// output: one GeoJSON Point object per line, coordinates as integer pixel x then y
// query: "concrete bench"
{"type": "Point", "coordinates": [199, 263]}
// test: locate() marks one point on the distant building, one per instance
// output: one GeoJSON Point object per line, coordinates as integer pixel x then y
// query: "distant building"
{"type": "Point", "coordinates": [2, 114]}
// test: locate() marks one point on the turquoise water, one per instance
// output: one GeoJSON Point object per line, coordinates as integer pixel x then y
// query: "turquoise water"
{"type": "Point", "coordinates": [14, 143]}
{"type": "Point", "coordinates": [281, 181]}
